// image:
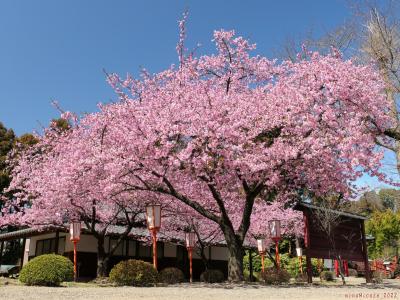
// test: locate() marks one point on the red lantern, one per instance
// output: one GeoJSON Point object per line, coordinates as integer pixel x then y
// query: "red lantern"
{"type": "Point", "coordinates": [190, 240]}
{"type": "Point", "coordinates": [153, 218]}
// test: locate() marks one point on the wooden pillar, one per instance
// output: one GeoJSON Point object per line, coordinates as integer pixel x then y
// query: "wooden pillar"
{"type": "Point", "coordinates": [23, 252]}
{"type": "Point", "coordinates": [365, 253]}
{"type": "Point", "coordinates": [1, 252]}
{"type": "Point", "coordinates": [307, 246]}
{"type": "Point", "coordinates": [57, 241]}
{"type": "Point", "coordinates": [251, 264]}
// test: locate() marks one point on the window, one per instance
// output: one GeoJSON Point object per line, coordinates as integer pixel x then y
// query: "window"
{"type": "Point", "coordinates": [49, 246]}
{"type": "Point", "coordinates": [120, 249]}
{"type": "Point", "coordinates": [131, 248]}
{"type": "Point", "coordinates": [144, 250]}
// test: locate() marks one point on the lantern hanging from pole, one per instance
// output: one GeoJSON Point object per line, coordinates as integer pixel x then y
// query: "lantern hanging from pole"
{"type": "Point", "coordinates": [75, 231]}
{"type": "Point", "coordinates": [190, 239]}
{"type": "Point", "coordinates": [275, 229]}
{"type": "Point", "coordinates": [153, 217]}
{"type": "Point", "coordinates": [75, 236]}
{"type": "Point", "coordinates": [299, 252]}
{"type": "Point", "coordinates": [261, 245]}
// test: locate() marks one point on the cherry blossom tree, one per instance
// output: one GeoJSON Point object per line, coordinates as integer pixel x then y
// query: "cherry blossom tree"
{"type": "Point", "coordinates": [222, 132]}
{"type": "Point", "coordinates": [227, 134]}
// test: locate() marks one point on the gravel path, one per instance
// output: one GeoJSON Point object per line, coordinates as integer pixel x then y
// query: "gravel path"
{"type": "Point", "coordinates": [389, 290]}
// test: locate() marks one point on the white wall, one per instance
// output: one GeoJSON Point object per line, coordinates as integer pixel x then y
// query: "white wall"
{"type": "Point", "coordinates": [219, 253]}
{"type": "Point", "coordinates": [88, 243]}
{"type": "Point", "coordinates": [34, 239]}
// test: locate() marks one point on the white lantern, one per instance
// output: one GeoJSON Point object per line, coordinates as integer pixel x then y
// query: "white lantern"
{"type": "Point", "coordinates": [275, 229]}
{"type": "Point", "coordinates": [153, 216]}
{"type": "Point", "coordinates": [299, 252]}
{"type": "Point", "coordinates": [190, 239]}
{"type": "Point", "coordinates": [261, 245]}
{"type": "Point", "coordinates": [75, 231]}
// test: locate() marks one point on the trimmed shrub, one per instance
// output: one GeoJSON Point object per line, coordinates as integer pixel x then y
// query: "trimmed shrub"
{"type": "Point", "coordinates": [171, 275]}
{"type": "Point", "coordinates": [327, 276]}
{"type": "Point", "coordinates": [274, 276]}
{"type": "Point", "coordinates": [212, 276]}
{"type": "Point", "coordinates": [301, 277]}
{"type": "Point", "coordinates": [378, 276]}
{"type": "Point", "coordinates": [134, 272]}
{"type": "Point", "coordinates": [353, 272]}
{"type": "Point", "coordinates": [47, 270]}
{"type": "Point", "coordinates": [397, 271]}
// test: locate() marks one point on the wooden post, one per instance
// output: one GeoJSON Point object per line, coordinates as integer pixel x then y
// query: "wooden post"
{"type": "Point", "coordinates": [57, 241]}
{"type": "Point", "coordinates": [365, 253]}
{"type": "Point", "coordinates": [307, 245]}
{"type": "Point", "coordinates": [23, 253]}
{"type": "Point", "coordinates": [251, 264]}
{"type": "Point", "coordinates": [1, 252]}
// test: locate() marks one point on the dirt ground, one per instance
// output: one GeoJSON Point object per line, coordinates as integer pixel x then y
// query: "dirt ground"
{"type": "Point", "coordinates": [356, 289]}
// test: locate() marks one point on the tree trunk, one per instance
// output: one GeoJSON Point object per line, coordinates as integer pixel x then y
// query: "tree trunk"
{"type": "Point", "coordinates": [102, 258]}
{"type": "Point", "coordinates": [235, 263]}
{"type": "Point", "coordinates": [236, 253]}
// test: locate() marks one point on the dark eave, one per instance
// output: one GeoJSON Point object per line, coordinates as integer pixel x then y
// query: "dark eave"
{"type": "Point", "coordinates": [301, 206]}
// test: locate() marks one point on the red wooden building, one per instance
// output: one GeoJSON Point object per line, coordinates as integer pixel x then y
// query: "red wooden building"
{"type": "Point", "coordinates": [347, 238]}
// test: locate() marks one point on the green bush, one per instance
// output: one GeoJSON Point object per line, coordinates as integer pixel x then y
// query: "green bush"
{"type": "Point", "coordinates": [47, 270]}
{"type": "Point", "coordinates": [301, 277]}
{"type": "Point", "coordinates": [378, 276]}
{"type": "Point", "coordinates": [353, 272]}
{"type": "Point", "coordinates": [212, 276]}
{"type": "Point", "coordinates": [397, 271]}
{"type": "Point", "coordinates": [274, 276]}
{"type": "Point", "coordinates": [171, 275]}
{"type": "Point", "coordinates": [134, 272]}
{"type": "Point", "coordinates": [287, 262]}
{"type": "Point", "coordinates": [327, 276]}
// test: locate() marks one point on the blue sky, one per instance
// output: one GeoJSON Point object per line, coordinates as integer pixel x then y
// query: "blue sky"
{"type": "Point", "coordinates": [56, 50]}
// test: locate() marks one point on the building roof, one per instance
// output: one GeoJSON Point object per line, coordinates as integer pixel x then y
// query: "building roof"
{"type": "Point", "coordinates": [302, 205]}
{"type": "Point", "coordinates": [21, 233]}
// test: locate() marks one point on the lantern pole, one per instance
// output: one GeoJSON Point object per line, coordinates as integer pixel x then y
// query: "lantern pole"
{"type": "Point", "coordinates": [75, 235]}
{"type": "Point", "coordinates": [299, 252]}
{"type": "Point", "coordinates": [190, 242]}
{"type": "Point", "coordinates": [154, 236]}
{"type": "Point", "coordinates": [301, 264]}
{"type": "Point", "coordinates": [75, 261]}
{"type": "Point", "coordinates": [261, 252]}
{"type": "Point", "coordinates": [153, 218]}
{"type": "Point", "coordinates": [275, 231]}
{"type": "Point", "coordinates": [276, 240]}
{"type": "Point", "coordinates": [190, 250]}
{"type": "Point", "coordinates": [262, 262]}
